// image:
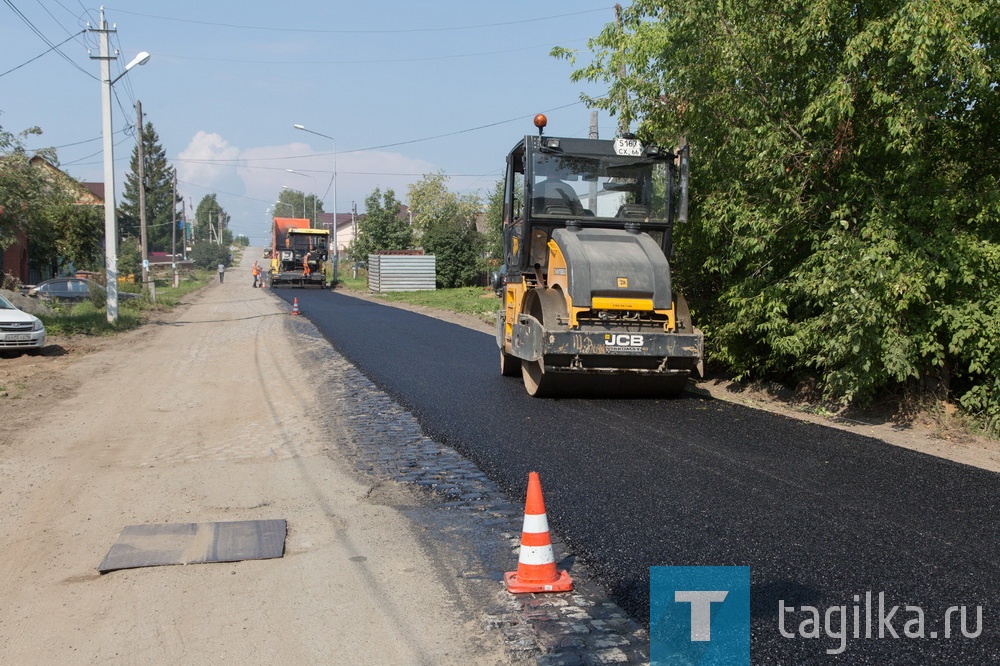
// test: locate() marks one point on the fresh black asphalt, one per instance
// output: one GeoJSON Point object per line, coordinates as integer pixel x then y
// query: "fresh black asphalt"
{"type": "Point", "coordinates": [820, 515]}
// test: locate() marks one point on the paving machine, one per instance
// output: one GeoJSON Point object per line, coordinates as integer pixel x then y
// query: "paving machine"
{"type": "Point", "coordinates": [299, 254]}
{"type": "Point", "coordinates": [588, 301]}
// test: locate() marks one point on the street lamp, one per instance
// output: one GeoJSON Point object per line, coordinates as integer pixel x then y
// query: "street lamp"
{"type": "Point", "coordinates": [336, 248]}
{"type": "Point", "coordinates": [110, 225]}
{"type": "Point", "coordinates": [299, 173]}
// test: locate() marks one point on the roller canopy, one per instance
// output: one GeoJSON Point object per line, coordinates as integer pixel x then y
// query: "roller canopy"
{"type": "Point", "coordinates": [598, 259]}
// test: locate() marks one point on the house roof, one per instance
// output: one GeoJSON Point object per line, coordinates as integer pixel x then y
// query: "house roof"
{"type": "Point", "coordinates": [81, 193]}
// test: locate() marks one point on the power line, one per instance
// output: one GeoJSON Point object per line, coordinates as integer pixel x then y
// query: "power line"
{"type": "Point", "coordinates": [45, 39]}
{"type": "Point", "coordinates": [42, 53]}
{"type": "Point", "coordinates": [236, 26]}
{"type": "Point", "coordinates": [385, 145]}
{"type": "Point", "coordinates": [378, 61]}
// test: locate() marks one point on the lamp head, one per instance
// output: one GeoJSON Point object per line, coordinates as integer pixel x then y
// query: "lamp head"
{"type": "Point", "coordinates": [140, 59]}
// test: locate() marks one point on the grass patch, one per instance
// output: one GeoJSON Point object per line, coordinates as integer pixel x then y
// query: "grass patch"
{"type": "Point", "coordinates": [88, 318]}
{"type": "Point", "coordinates": [477, 301]}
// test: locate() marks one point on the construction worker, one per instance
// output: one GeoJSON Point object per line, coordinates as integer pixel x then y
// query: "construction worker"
{"type": "Point", "coordinates": [306, 271]}
{"type": "Point", "coordinates": [255, 270]}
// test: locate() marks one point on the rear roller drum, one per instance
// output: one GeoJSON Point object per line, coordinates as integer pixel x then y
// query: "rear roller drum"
{"type": "Point", "coordinates": [541, 384]}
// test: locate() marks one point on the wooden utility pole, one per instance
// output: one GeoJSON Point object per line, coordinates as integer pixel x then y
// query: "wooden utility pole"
{"type": "Point", "coordinates": [173, 230]}
{"type": "Point", "coordinates": [142, 201]}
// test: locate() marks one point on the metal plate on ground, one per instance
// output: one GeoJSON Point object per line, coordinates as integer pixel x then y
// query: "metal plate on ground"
{"type": "Point", "coordinates": [195, 543]}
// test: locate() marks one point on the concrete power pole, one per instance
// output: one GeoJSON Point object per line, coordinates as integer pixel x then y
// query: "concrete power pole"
{"type": "Point", "coordinates": [142, 201]}
{"type": "Point", "coordinates": [110, 224]}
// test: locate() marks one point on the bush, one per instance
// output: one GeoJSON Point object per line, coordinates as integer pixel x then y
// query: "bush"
{"type": "Point", "coordinates": [209, 255]}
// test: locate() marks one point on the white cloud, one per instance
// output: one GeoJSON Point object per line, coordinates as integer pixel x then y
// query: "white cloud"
{"type": "Point", "coordinates": [208, 160]}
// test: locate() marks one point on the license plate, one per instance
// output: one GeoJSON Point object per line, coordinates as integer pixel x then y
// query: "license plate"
{"type": "Point", "coordinates": [18, 336]}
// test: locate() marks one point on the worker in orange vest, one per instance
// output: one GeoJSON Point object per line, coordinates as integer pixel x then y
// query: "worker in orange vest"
{"type": "Point", "coordinates": [255, 269]}
{"type": "Point", "coordinates": [305, 264]}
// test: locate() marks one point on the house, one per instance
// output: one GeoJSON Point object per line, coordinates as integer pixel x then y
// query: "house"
{"type": "Point", "coordinates": [15, 260]}
{"type": "Point", "coordinates": [347, 228]}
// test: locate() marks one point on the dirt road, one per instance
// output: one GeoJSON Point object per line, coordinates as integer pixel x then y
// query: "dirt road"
{"type": "Point", "coordinates": [205, 416]}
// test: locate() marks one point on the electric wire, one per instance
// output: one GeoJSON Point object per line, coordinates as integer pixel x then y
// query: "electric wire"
{"type": "Point", "coordinates": [398, 31]}
{"type": "Point", "coordinates": [41, 54]}
{"type": "Point", "coordinates": [45, 39]}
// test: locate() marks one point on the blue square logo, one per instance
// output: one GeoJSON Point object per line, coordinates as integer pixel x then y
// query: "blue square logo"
{"type": "Point", "coordinates": [699, 615]}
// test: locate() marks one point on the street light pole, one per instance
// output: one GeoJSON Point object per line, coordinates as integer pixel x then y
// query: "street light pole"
{"type": "Point", "coordinates": [336, 247]}
{"type": "Point", "coordinates": [110, 224]}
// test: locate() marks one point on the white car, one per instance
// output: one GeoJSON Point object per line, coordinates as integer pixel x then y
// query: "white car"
{"type": "Point", "coordinates": [18, 329]}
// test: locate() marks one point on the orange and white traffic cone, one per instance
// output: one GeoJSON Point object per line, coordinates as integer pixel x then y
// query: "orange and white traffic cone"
{"type": "Point", "coordinates": [536, 564]}
{"type": "Point", "coordinates": [295, 306]}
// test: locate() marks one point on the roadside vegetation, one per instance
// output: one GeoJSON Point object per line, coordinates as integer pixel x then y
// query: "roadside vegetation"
{"type": "Point", "coordinates": [90, 317]}
{"type": "Point", "coordinates": [844, 232]}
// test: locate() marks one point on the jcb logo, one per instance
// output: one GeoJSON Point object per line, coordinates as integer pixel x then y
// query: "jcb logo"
{"type": "Point", "coordinates": [623, 340]}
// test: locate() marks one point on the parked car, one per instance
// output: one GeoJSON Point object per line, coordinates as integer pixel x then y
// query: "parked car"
{"type": "Point", "coordinates": [73, 290]}
{"type": "Point", "coordinates": [18, 329]}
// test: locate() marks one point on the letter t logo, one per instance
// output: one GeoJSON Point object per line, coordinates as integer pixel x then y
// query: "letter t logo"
{"type": "Point", "coordinates": [701, 610]}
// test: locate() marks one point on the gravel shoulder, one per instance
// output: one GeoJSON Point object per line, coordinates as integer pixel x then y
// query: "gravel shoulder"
{"type": "Point", "coordinates": [204, 415]}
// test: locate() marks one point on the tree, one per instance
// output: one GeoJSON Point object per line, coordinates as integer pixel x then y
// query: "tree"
{"type": "Point", "coordinates": [160, 199]}
{"type": "Point", "coordinates": [845, 194]}
{"type": "Point", "coordinates": [445, 225]}
{"type": "Point", "coordinates": [73, 234]}
{"type": "Point", "coordinates": [458, 254]}
{"type": "Point", "coordinates": [493, 237]}
{"type": "Point", "coordinates": [210, 220]}
{"type": "Point", "coordinates": [209, 255]}
{"type": "Point", "coordinates": [294, 203]}
{"type": "Point", "coordinates": [23, 190]}
{"type": "Point", "coordinates": [381, 228]}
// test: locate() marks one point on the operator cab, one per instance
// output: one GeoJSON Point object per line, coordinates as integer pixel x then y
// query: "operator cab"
{"type": "Point", "coordinates": [558, 182]}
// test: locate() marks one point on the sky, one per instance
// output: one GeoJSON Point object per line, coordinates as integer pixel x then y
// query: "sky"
{"type": "Point", "coordinates": [402, 88]}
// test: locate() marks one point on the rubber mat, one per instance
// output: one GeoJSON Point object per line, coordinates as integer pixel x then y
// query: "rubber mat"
{"type": "Point", "coordinates": [195, 543]}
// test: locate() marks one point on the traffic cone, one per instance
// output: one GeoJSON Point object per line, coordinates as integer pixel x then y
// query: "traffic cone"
{"type": "Point", "coordinates": [295, 306]}
{"type": "Point", "coordinates": [536, 563]}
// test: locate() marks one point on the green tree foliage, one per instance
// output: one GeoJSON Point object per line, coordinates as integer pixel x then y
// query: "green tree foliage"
{"type": "Point", "coordinates": [493, 236]}
{"type": "Point", "coordinates": [160, 198]}
{"type": "Point", "coordinates": [294, 203]}
{"type": "Point", "coordinates": [210, 219]}
{"type": "Point", "coordinates": [381, 228]}
{"type": "Point", "coordinates": [209, 255]}
{"type": "Point", "coordinates": [845, 181]}
{"type": "Point", "coordinates": [23, 190]}
{"type": "Point", "coordinates": [445, 224]}
{"type": "Point", "coordinates": [458, 254]}
{"type": "Point", "coordinates": [70, 235]}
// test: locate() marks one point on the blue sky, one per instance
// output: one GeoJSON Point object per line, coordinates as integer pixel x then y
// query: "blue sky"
{"type": "Point", "coordinates": [228, 80]}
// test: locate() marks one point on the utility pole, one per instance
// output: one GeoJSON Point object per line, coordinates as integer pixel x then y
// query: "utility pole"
{"type": "Point", "coordinates": [593, 186]}
{"type": "Point", "coordinates": [110, 223]}
{"type": "Point", "coordinates": [624, 118]}
{"type": "Point", "coordinates": [173, 230]}
{"type": "Point", "coordinates": [142, 201]}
